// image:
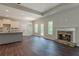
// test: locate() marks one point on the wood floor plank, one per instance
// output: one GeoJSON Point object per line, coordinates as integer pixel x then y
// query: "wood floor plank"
{"type": "Point", "coordinates": [37, 46]}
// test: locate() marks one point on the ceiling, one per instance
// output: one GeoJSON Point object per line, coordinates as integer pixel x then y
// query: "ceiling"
{"type": "Point", "coordinates": [16, 13]}
{"type": "Point", "coordinates": [41, 7]}
{"type": "Point", "coordinates": [25, 11]}
{"type": "Point", "coordinates": [31, 11]}
{"type": "Point", "coordinates": [28, 11]}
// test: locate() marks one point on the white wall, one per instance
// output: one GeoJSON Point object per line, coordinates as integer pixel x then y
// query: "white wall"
{"type": "Point", "coordinates": [66, 18]}
{"type": "Point", "coordinates": [26, 27]}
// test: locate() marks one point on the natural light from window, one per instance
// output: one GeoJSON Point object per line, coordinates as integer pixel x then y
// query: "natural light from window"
{"type": "Point", "coordinates": [36, 28]}
{"type": "Point", "coordinates": [50, 27]}
{"type": "Point", "coordinates": [42, 29]}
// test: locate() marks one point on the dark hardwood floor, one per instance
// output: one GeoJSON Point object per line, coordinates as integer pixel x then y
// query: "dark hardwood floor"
{"type": "Point", "coordinates": [37, 46]}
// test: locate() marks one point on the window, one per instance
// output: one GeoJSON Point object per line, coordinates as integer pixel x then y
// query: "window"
{"type": "Point", "coordinates": [50, 27]}
{"type": "Point", "coordinates": [42, 29]}
{"type": "Point", "coordinates": [36, 28]}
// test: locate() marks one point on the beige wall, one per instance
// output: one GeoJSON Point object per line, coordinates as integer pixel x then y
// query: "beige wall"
{"type": "Point", "coordinates": [66, 18]}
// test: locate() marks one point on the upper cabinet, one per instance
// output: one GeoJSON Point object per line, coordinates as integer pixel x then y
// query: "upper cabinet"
{"type": "Point", "coordinates": [1, 24]}
{"type": "Point", "coordinates": [15, 24]}
{"type": "Point", "coordinates": [7, 25]}
{"type": "Point", "coordinates": [6, 21]}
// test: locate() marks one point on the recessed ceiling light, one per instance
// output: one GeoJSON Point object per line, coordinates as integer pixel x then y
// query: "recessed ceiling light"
{"type": "Point", "coordinates": [7, 10]}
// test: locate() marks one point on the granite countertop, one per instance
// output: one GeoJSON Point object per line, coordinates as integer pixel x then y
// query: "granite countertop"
{"type": "Point", "coordinates": [9, 32]}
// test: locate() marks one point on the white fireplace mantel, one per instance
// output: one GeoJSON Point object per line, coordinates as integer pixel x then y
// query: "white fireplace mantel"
{"type": "Point", "coordinates": [67, 29]}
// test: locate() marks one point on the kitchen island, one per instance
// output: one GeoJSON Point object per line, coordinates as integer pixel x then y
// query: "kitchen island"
{"type": "Point", "coordinates": [9, 37]}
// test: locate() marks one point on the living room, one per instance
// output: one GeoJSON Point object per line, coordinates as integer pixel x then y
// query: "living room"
{"type": "Point", "coordinates": [39, 29]}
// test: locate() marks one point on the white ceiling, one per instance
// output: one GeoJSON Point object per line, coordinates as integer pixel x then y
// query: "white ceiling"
{"type": "Point", "coordinates": [19, 14]}
{"type": "Point", "coordinates": [16, 13]}
{"type": "Point", "coordinates": [41, 7]}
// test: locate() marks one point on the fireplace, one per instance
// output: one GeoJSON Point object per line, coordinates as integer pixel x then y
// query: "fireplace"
{"type": "Point", "coordinates": [65, 35]}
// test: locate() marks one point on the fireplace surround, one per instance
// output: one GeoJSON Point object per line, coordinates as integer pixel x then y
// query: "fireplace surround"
{"type": "Point", "coordinates": [66, 36]}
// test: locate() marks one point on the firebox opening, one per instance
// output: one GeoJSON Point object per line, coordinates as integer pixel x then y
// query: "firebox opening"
{"type": "Point", "coordinates": [65, 35]}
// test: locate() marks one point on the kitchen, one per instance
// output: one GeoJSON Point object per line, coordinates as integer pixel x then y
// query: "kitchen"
{"type": "Point", "coordinates": [9, 30]}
